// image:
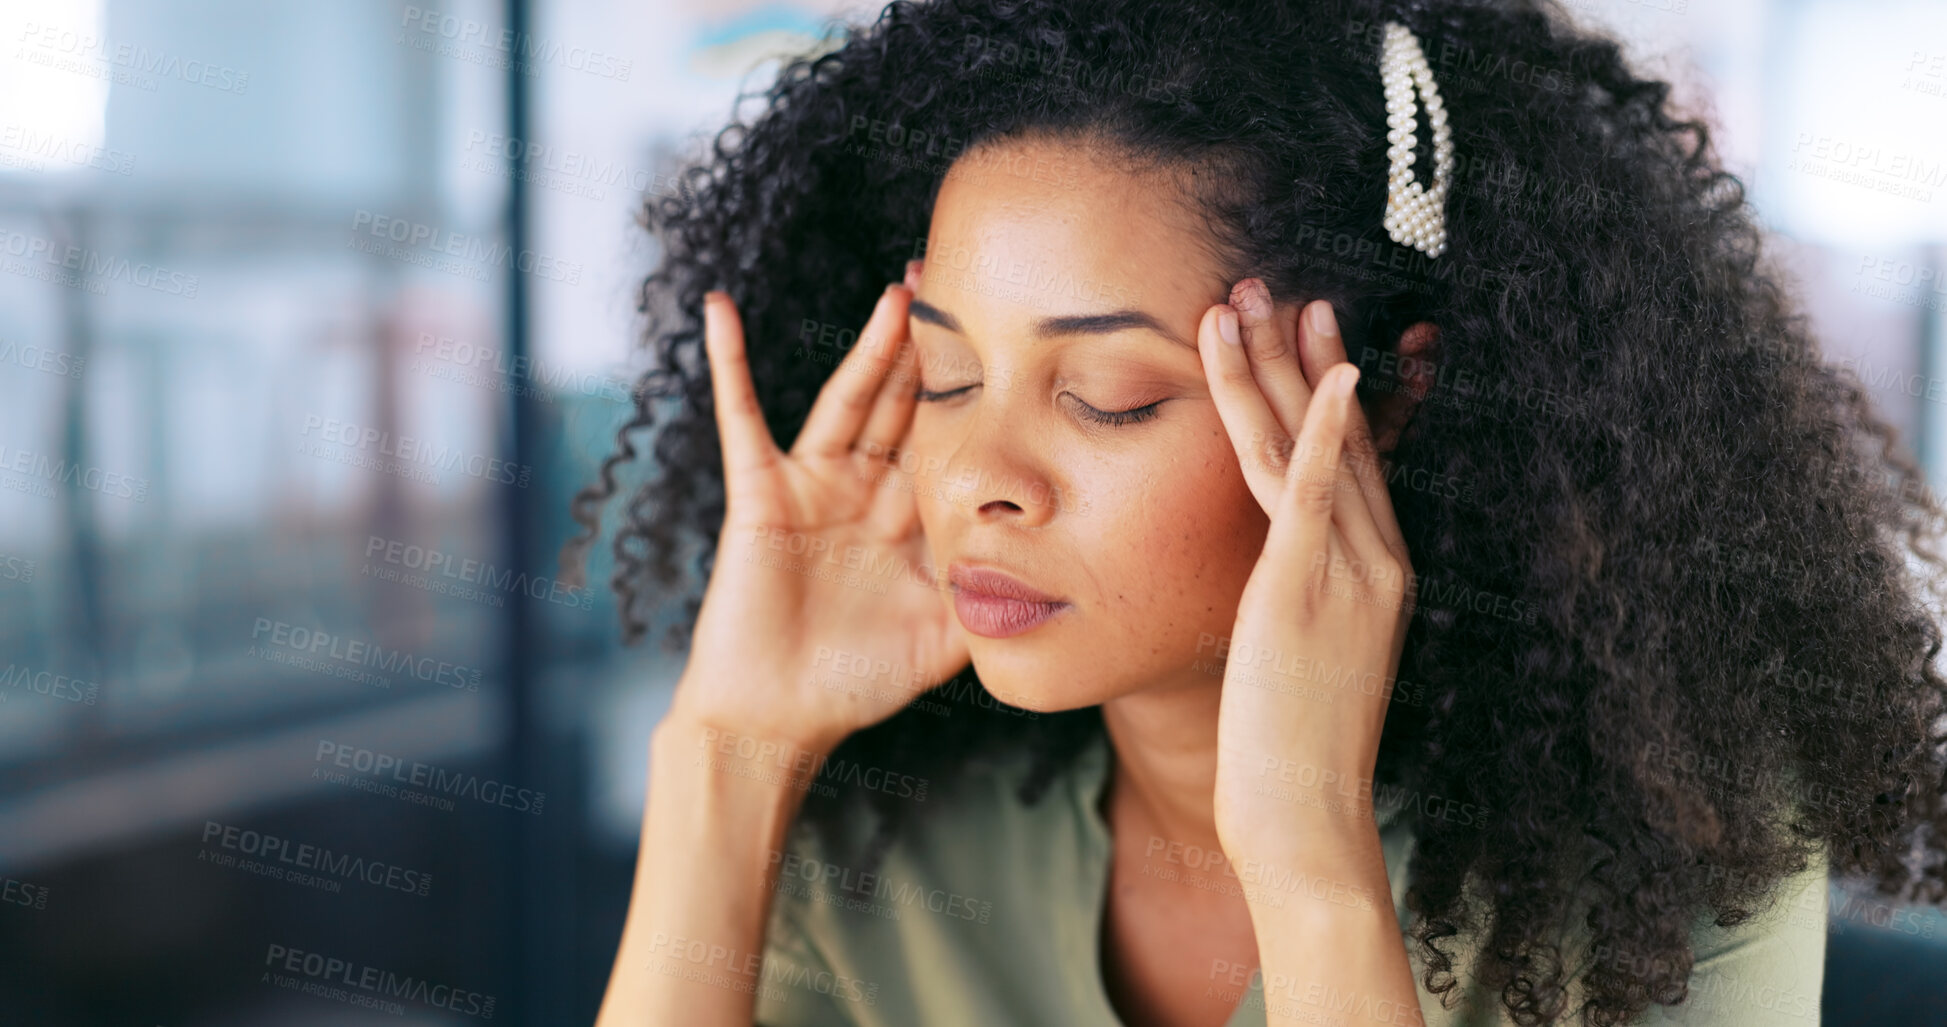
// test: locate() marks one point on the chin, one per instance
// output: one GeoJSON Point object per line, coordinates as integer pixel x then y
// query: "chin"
{"type": "Point", "coordinates": [1032, 685]}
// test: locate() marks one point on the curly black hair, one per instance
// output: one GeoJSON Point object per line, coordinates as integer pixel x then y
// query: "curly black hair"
{"type": "Point", "coordinates": [1673, 626]}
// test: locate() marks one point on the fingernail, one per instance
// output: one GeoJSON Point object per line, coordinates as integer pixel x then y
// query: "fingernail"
{"type": "Point", "coordinates": [1227, 326]}
{"type": "Point", "coordinates": [1248, 296]}
{"type": "Point", "coordinates": [1322, 320]}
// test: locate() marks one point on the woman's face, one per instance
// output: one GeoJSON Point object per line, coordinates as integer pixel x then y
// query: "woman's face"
{"type": "Point", "coordinates": [1077, 448]}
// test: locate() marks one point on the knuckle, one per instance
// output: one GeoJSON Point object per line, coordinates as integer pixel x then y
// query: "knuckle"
{"type": "Point", "coordinates": [1316, 493]}
{"type": "Point", "coordinates": [1270, 345]}
{"type": "Point", "coordinates": [1274, 450]}
{"type": "Point", "coordinates": [855, 399]}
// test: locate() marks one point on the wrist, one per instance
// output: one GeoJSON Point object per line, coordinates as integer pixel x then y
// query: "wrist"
{"type": "Point", "coordinates": [733, 765]}
{"type": "Point", "coordinates": [1311, 838]}
{"type": "Point", "coordinates": [1328, 875]}
{"type": "Point", "coordinates": [725, 734]}
{"type": "Point", "coordinates": [718, 808]}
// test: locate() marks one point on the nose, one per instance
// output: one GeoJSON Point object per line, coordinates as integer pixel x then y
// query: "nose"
{"type": "Point", "coordinates": [995, 476]}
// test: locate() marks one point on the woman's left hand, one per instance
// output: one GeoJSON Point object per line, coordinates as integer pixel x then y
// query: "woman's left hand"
{"type": "Point", "coordinates": [1317, 641]}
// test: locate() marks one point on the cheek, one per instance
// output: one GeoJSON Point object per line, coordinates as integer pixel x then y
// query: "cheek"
{"type": "Point", "coordinates": [1177, 545]}
{"type": "Point", "coordinates": [923, 464]}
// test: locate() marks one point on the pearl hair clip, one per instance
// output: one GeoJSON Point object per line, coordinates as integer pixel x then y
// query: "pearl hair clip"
{"type": "Point", "coordinates": [1415, 216]}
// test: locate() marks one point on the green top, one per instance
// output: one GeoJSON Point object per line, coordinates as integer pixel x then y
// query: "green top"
{"type": "Point", "coordinates": [987, 912]}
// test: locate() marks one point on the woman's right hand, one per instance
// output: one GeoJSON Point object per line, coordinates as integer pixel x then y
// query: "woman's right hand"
{"type": "Point", "coordinates": [817, 620]}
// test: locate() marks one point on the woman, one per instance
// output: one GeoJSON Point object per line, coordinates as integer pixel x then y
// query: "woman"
{"type": "Point", "coordinates": [1243, 574]}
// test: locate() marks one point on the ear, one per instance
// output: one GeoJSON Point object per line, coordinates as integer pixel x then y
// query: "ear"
{"type": "Point", "coordinates": [1398, 393]}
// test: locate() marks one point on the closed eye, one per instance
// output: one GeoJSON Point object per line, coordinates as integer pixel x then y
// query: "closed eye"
{"type": "Point", "coordinates": [929, 396]}
{"type": "Point", "coordinates": [1112, 418]}
{"type": "Point", "coordinates": [1118, 418]}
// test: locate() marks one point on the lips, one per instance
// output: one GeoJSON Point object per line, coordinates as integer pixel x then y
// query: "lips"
{"type": "Point", "coordinates": [993, 584]}
{"type": "Point", "coordinates": [995, 605]}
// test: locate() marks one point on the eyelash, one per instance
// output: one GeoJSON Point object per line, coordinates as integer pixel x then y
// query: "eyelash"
{"type": "Point", "coordinates": [1112, 418]}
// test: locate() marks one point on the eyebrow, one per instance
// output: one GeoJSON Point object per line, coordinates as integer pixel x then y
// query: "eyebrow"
{"type": "Point", "coordinates": [1067, 324]}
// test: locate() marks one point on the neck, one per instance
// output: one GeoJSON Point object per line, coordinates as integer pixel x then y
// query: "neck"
{"type": "Point", "coordinates": [1165, 776]}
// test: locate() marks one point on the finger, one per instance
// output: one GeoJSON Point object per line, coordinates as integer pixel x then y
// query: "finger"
{"type": "Point", "coordinates": [1301, 529]}
{"type": "Point", "coordinates": [892, 411]}
{"type": "Point", "coordinates": [746, 440]}
{"type": "Point", "coordinates": [913, 268]}
{"type": "Point", "coordinates": [1262, 444]}
{"type": "Point", "coordinates": [846, 400]}
{"type": "Point", "coordinates": [1271, 341]}
{"type": "Point", "coordinates": [1351, 508]}
{"type": "Point", "coordinates": [1351, 514]}
{"type": "Point", "coordinates": [1319, 343]}
{"type": "Point", "coordinates": [1320, 347]}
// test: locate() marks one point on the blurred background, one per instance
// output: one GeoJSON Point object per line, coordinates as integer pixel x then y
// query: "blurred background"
{"type": "Point", "coordinates": [312, 319]}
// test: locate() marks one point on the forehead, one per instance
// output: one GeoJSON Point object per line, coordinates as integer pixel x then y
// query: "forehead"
{"type": "Point", "coordinates": [1031, 227]}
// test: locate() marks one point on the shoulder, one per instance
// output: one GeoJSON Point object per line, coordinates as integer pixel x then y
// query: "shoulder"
{"type": "Point", "coordinates": [1768, 970]}
{"type": "Point", "coordinates": [1764, 971]}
